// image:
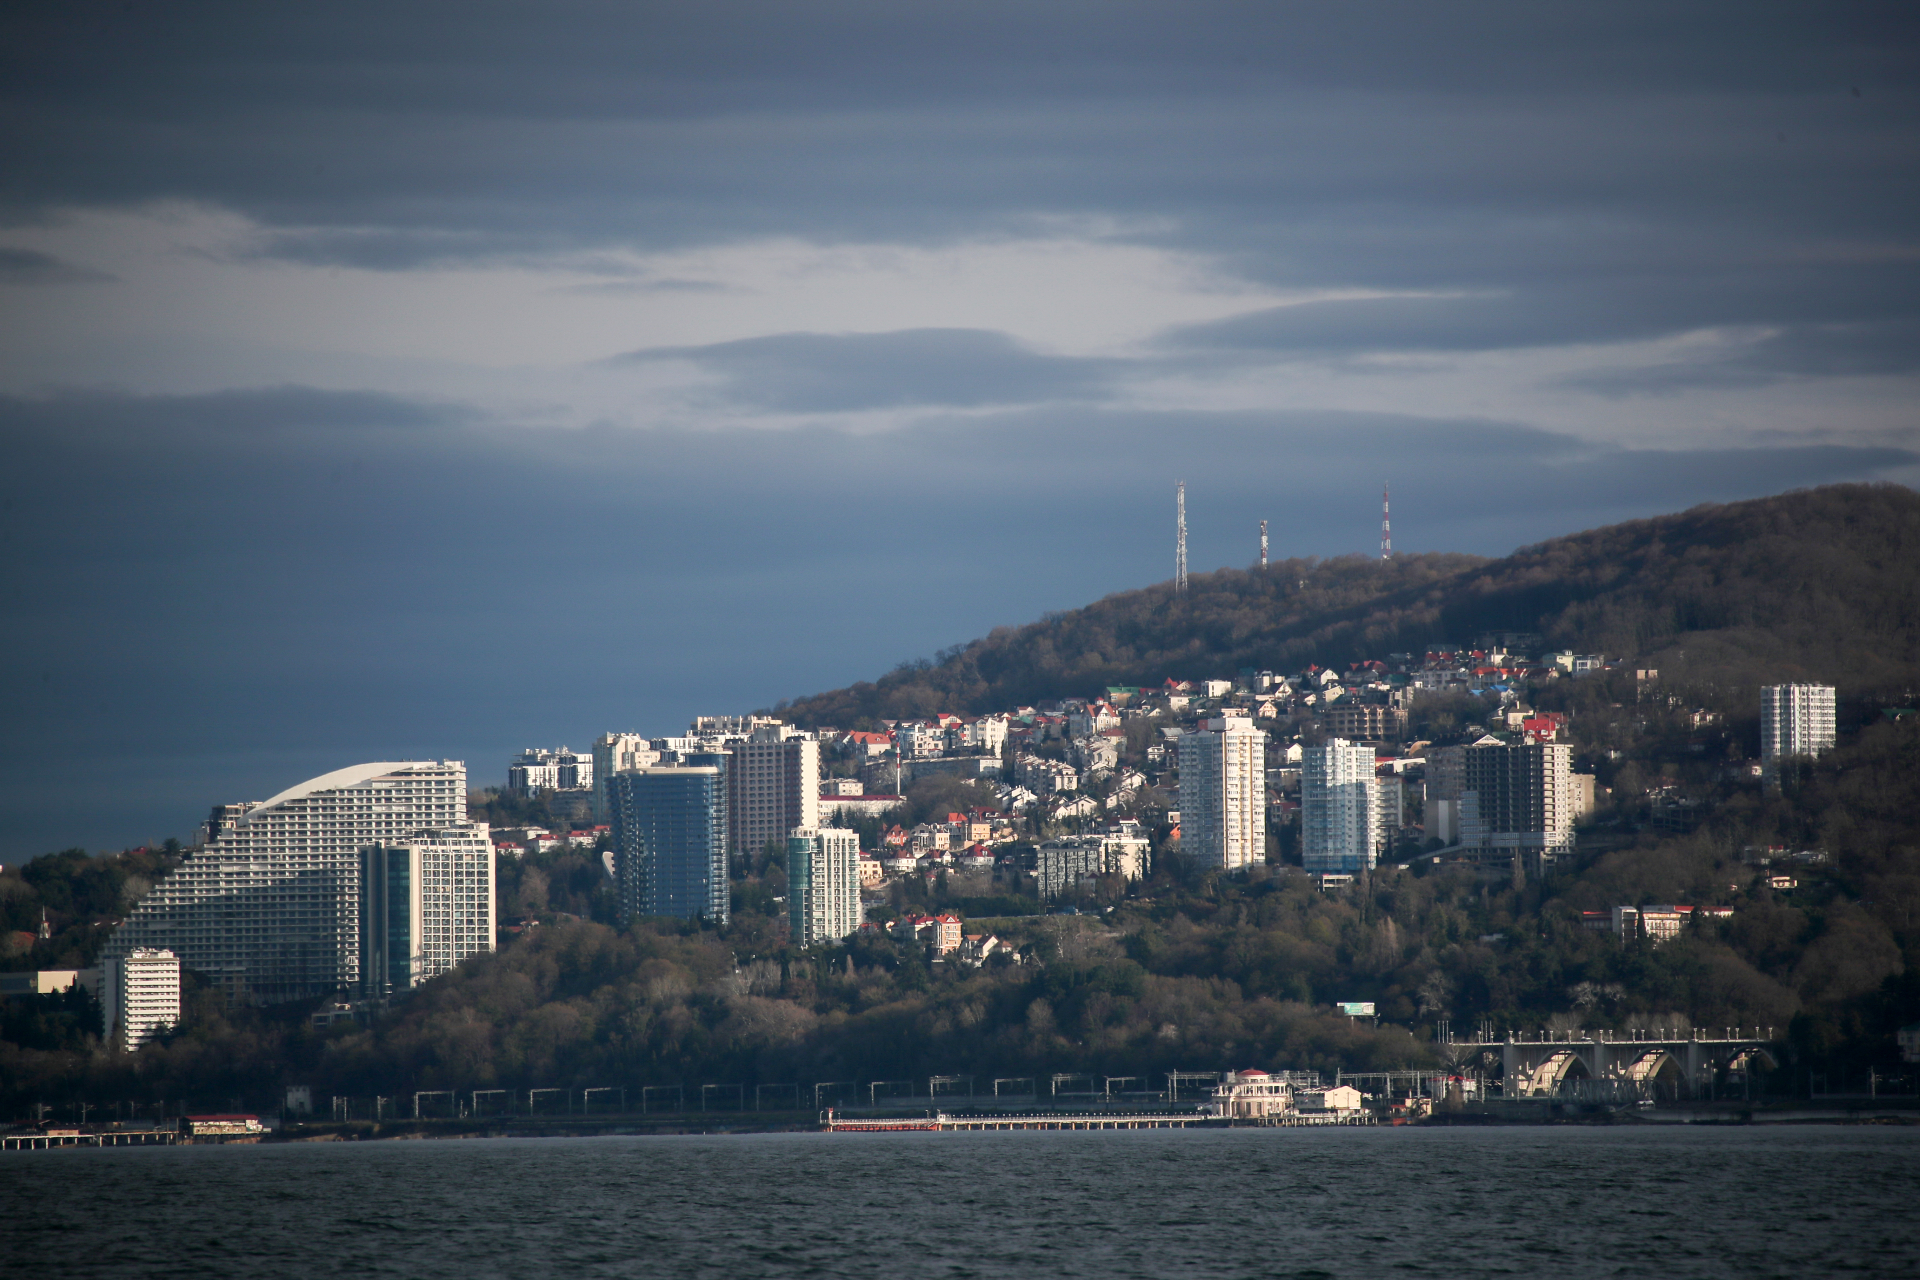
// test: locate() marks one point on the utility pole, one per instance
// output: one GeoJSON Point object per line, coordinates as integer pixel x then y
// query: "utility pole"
{"type": "Point", "coordinates": [1180, 539]}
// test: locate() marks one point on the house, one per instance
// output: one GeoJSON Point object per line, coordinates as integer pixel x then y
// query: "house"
{"type": "Point", "coordinates": [869, 746]}
{"type": "Point", "coordinates": [943, 934]}
{"type": "Point", "coordinates": [976, 947]}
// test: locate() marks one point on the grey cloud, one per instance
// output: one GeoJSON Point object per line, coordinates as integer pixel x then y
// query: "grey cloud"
{"type": "Point", "coordinates": [1800, 351]}
{"type": "Point", "coordinates": [847, 372]}
{"type": "Point", "coordinates": [1859, 316]}
{"type": "Point", "coordinates": [260, 410]}
{"type": "Point", "coordinates": [1566, 175]}
{"type": "Point", "coordinates": [29, 266]}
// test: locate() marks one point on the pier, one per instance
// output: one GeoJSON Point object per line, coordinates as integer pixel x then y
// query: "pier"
{"type": "Point", "coordinates": [832, 1121]}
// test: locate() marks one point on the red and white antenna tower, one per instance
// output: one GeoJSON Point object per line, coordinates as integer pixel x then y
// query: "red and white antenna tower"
{"type": "Point", "coordinates": [1263, 544]}
{"type": "Point", "coordinates": [1180, 538]}
{"type": "Point", "coordinates": [1386, 523]}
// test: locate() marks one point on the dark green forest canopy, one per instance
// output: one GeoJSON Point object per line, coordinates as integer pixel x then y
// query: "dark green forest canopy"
{"type": "Point", "coordinates": [1817, 584]}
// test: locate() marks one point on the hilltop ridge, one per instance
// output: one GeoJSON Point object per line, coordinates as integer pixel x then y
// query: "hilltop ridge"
{"type": "Point", "coordinates": [1816, 584]}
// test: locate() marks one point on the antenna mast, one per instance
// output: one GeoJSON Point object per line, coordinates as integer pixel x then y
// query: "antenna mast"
{"type": "Point", "coordinates": [1180, 538]}
{"type": "Point", "coordinates": [1263, 544]}
{"type": "Point", "coordinates": [1386, 523]}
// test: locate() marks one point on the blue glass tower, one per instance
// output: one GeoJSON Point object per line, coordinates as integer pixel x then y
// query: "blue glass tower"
{"type": "Point", "coordinates": [670, 839]}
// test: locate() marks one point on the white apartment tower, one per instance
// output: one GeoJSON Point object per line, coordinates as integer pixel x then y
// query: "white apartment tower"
{"type": "Point", "coordinates": [773, 786]}
{"type": "Point", "coordinates": [425, 906]}
{"type": "Point", "coordinates": [1223, 793]}
{"type": "Point", "coordinates": [269, 910]}
{"type": "Point", "coordinates": [1340, 828]}
{"type": "Point", "coordinates": [617, 753]}
{"type": "Point", "coordinates": [139, 994]}
{"type": "Point", "coordinates": [1795, 720]}
{"type": "Point", "coordinates": [823, 883]}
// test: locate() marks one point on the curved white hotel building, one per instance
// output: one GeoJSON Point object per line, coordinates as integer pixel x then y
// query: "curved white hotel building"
{"type": "Point", "coordinates": [269, 908]}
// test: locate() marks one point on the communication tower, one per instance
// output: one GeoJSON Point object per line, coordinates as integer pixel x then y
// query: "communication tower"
{"type": "Point", "coordinates": [1263, 544]}
{"type": "Point", "coordinates": [1180, 538]}
{"type": "Point", "coordinates": [1386, 523]}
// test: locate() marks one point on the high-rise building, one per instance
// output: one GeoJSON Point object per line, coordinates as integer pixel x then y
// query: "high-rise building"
{"type": "Point", "coordinates": [270, 909]}
{"type": "Point", "coordinates": [773, 786]}
{"type": "Point", "coordinates": [1795, 720]}
{"type": "Point", "coordinates": [1340, 825]}
{"type": "Point", "coordinates": [823, 883]}
{"type": "Point", "coordinates": [1501, 803]}
{"type": "Point", "coordinates": [670, 838]}
{"type": "Point", "coordinates": [139, 995]}
{"type": "Point", "coordinates": [1223, 793]}
{"type": "Point", "coordinates": [617, 753]}
{"type": "Point", "coordinates": [425, 906]}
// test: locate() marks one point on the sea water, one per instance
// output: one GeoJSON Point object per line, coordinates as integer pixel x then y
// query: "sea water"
{"type": "Point", "coordinates": [1550, 1202]}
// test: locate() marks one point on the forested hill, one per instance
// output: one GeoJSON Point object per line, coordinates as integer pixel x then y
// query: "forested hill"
{"type": "Point", "coordinates": [1818, 584]}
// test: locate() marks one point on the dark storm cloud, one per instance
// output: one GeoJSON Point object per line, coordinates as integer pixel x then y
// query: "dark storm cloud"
{"type": "Point", "coordinates": [1576, 174]}
{"type": "Point", "coordinates": [121, 418]}
{"type": "Point", "coordinates": [848, 372]}
{"type": "Point", "coordinates": [28, 266]}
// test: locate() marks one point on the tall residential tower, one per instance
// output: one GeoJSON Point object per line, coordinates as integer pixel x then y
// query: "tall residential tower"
{"type": "Point", "coordinates": [1795, 720]}
{"type": "Point", "coordinates": [1223, 794]}
{"type": "Point", "coordinates": [1340, 827]}
{"type": "Point", "coordinates": [670, 839]}
{"type": "Point", "coordinates": [823, 883]}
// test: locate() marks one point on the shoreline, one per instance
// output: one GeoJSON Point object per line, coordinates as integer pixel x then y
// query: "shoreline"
{"type": "Point", "coordinates": [1514, 1114]}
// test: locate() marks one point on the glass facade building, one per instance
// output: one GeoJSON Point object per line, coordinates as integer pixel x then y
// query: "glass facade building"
{"type": "Point", "coordinates": [670, 838]}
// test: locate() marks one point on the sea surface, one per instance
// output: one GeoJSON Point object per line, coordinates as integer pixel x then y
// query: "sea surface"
{"type": "Point", "coordinates": [1550, 1202]}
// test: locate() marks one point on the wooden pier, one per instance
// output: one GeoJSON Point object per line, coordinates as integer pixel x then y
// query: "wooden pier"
{"type": "Point", "coordinates": [53, 1139]}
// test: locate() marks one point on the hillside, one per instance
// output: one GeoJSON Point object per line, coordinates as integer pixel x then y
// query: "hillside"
{"type": "Point", "coordinates": [1820, 584]}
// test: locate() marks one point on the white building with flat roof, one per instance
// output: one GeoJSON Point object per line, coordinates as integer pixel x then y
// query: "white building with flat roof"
{"type": "Point", "coordinates": [139, 996]}
{"type": "Point", "coordinates": [270, 910]}
{"type": "Point", "coordinates": [1339, 808]}
{"type": "Point", "coordinates": [823, 884]}
{"type": "Point", "coordinates": [1795, 720]}
{"type": "Point", "coordinates": [1223, 793]}
{"type": "Point", "coordinates": [425, 905]}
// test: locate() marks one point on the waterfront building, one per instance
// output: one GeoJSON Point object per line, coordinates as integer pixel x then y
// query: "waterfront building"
{"type": "Point", "coordinates": [670, 838]}
{"type": "Point", "coordinates": [139, 996]}
{"type": "Point", "coordinates": [269, 910]}
{"type": "Point", "coordinates": [425, 906]}
{"type": "Point", "coordinates": [823, 884]}
{"type": "Point", "coordinates": [1249, 1095]}
{"type": "Point", "coordinates": [773, 786]}
{"type": "Point", "coordinates": [1340, 827]}
{"type": "Point", "coordinates": [1223, 793]}
{"type": "Point", "coordinates": [1795, 720]}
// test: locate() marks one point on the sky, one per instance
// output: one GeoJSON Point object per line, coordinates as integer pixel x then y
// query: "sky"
{"type": "Point", "coordinates": [399, 381]}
